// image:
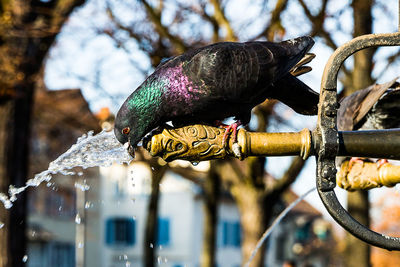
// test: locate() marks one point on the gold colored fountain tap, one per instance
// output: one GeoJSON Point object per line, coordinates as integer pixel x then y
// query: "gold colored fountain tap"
{"type": "Point", "coordinates": [202, 142]}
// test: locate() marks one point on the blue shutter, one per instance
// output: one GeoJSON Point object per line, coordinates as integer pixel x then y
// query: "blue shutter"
{"type": "Point", "coordinates": [236, 235]}
{"type": "Point", "coordinates": [163, 231]}
{"type": "Point", "coordinates": [120, 231]}
{"type": "Point", "coordinates": [110, 232]}
{"type": "Point", "coordinates": [130, 232]}
{"type": "Point", "coordinates": [225, 233]}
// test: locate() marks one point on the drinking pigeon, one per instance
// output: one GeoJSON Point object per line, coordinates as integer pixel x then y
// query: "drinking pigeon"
{"type": "Point", "coordinates": [215, 82]}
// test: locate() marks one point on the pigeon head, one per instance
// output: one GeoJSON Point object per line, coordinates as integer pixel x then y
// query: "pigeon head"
{"type": "Point", "coordinates": [127, 127]}
{"type": "Point", "coordinates": [134, 120]}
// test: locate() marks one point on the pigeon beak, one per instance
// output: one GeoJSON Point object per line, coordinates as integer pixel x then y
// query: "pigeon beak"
{"type": "Point", "coordinates": [131, 151]}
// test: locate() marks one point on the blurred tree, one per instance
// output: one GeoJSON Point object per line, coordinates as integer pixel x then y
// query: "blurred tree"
{"type": "Point", "coordinates": [27, 30]}
{"type": "Point", "coordinates": [388, 209]}
{"type": "Point", "coordinates": [357, 252]}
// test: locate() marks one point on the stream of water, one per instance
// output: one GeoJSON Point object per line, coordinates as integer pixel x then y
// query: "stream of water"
{"type": "Point", "coordinates": [90, 150]}
{"type": "Point", "coordinates": [278, 219]}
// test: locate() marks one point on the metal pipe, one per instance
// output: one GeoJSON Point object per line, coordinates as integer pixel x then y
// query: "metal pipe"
{"type": "Point", "coordinates": [370, 144]}
{"type": "Point", "coordinates": [201, 142]}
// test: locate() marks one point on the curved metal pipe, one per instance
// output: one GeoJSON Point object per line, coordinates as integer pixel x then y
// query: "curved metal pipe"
{"type": "Point", "coordinates": [328, 136]}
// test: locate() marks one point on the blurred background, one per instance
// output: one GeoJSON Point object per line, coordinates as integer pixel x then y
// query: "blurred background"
{"type": "Point", "coordinates": [65, 68]}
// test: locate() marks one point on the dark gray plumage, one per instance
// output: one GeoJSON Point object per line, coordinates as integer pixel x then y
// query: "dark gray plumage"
{"type": "Point", "coordinates": [375, 107]}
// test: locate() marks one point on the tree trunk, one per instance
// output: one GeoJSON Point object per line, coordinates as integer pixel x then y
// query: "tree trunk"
{"type": "Point", "coordinates": [253, 214]}
{"type": "Point", "coordinates": [22, 51]}
{"type": "Point", "coordinates": [15, 115]}
{"type": "Point", "coordinates": [150, 234]}
{"type": "Point", "coordinates": [211, 190]}
{"type": "Point", "coordinates": [4, 213]}
{"type": "Point", "coordinates": [357, 253]}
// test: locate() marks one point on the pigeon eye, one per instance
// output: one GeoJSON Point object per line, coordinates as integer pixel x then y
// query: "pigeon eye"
{"type": "Point", "coordinates": [126, 130]}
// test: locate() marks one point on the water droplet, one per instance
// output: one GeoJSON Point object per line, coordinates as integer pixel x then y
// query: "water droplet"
{"type": "Point", "coordinates": [83, 186]}
{"type": "Point", "coordinates": [33, 233]}
{"type": "Point", "coordinates": [159, 260]}
{"type": "Point", "coordinates": [80, 245]}
{"type": "Point", "coordinates": [1, 225]}
{"type": "Point", "coordinates": [77, 219]}
{"type": "Point", "coordinates": [80, 173]}
{"type": "Point", "coordinates": [152, 168]}
{"type": "Point", "coordinates": [125, 257]}
{"type": "Point", "coordinates": [151, 245]}
{"type": "Point", "coordinates": [127, 264]}
{"type": "Point", "coordinates": [49, 184]}
{"type": "Point", "coordinates": [194, 163]}
{"type": "Point", "coordinates": [161, 247]}
{"type": "Point", "coordinates": [25, 258]}
{"type": "Point", "coordinates": [60, 208]}
{"type": "Point", "coordinates": [88, 204]}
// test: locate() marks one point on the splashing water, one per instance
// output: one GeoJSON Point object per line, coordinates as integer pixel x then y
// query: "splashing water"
{"type": "Point", "coordinates": [90, 150]}
{"type": "Point", "coordinates": [275, 223]}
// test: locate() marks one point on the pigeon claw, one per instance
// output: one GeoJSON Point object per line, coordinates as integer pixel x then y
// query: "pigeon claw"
{"type": "Point", "coordinates": [381, 162]}
{"type": "Point", "coordinates": [354, 160]}
{"type": "Point", "coordinates": [232, 131]}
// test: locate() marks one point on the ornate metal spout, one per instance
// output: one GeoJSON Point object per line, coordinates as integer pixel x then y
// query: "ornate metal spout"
{"type": "Point", "coordinates": [202, 142]}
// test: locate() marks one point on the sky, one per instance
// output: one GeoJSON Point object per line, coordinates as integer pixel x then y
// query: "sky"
{"type": "Point", "coordinates": [83, 59]}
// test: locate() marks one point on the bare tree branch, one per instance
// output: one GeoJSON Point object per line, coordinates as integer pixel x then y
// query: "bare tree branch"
{"type": "Point", "coordinates": [220, 17]}
{"type": "Point", "coordinates": [163, 31]}
{"type": "Point", "coordinates": [289, 176]}
{"type": "Point", "coordinates": [275, 22]}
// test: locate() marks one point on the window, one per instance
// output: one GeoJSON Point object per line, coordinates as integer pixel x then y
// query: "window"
{"type": "Point", "coordinates": [163, 232]}
{"type": "Point", "coordinates": [61, 254]}
{"type": "Point", "coordinates": [302, 233]}
{"type": "Point", "coordinates": [229, 234]}
{"type": "Point", "coordinates": [120, 232]}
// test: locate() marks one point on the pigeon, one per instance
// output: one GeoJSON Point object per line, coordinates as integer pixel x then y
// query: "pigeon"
{"type": "Point", "coordinates": [373, 108]}
{"type": "Point", "coordinates": [211, 83]}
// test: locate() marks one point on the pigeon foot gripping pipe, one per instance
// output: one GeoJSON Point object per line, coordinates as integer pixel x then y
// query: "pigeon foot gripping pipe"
{"type": "Point", "coordinates": [216, 82]}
